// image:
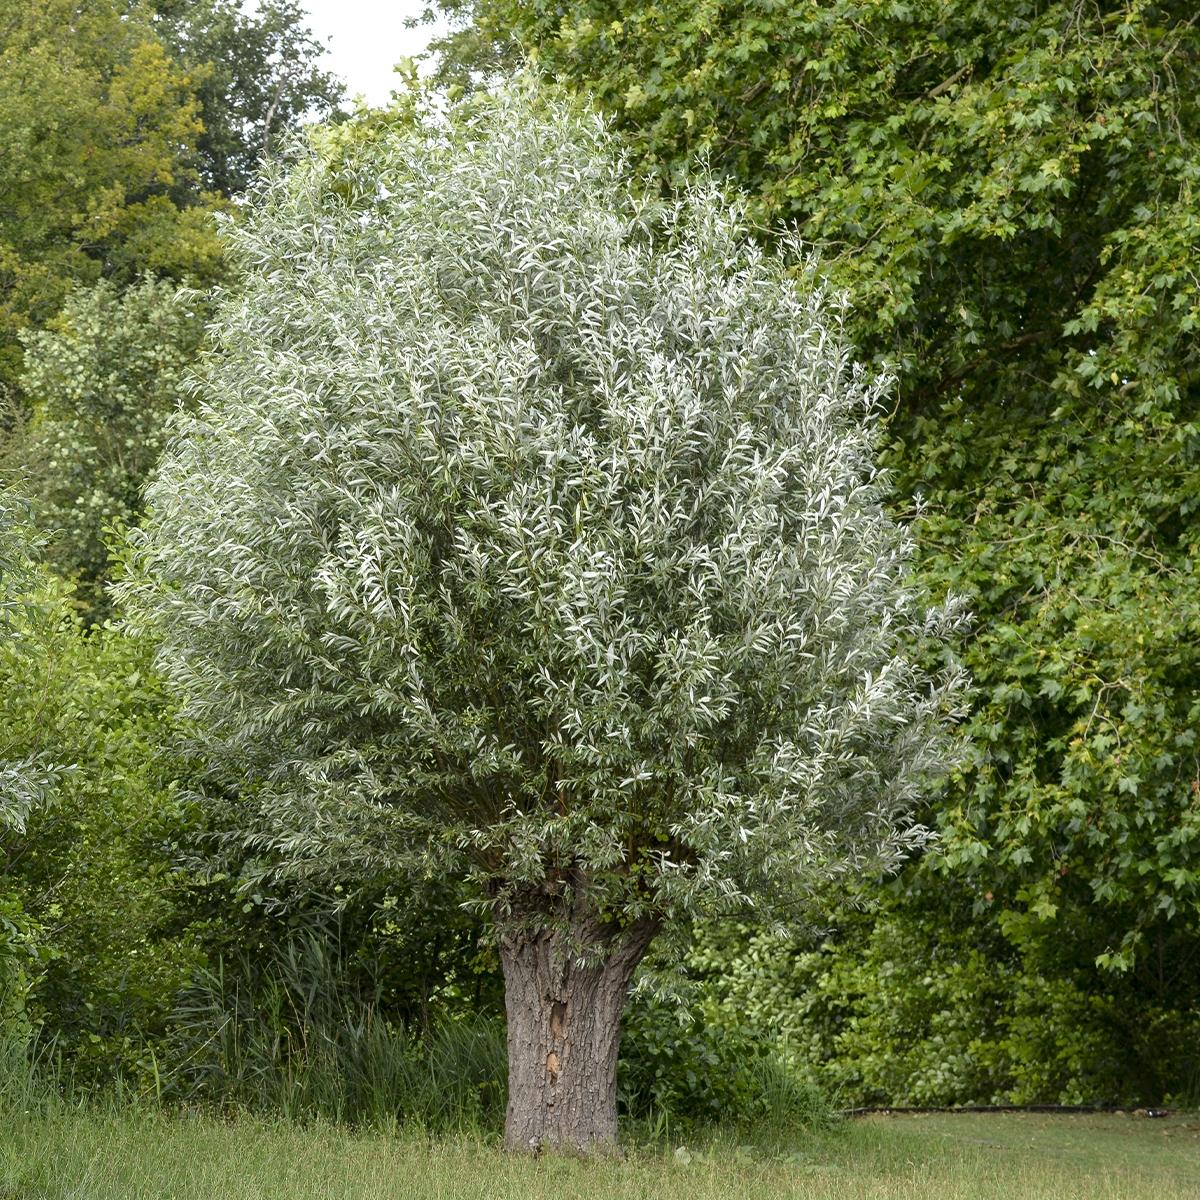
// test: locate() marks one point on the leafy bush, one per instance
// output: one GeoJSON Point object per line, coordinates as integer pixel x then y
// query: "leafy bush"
{"type": "Point", "coordinates": [89, 885]}
{"type": "Point", "coordinates": [897, 1008]}
{"type": "Point", "coordinates": [102, 381]}
{"type": "Point", "coordinates": [24, 779]}
{"type": "Point", "coordinates": [697, 1072]}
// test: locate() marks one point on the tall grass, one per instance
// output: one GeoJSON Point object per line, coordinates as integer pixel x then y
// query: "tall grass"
{"type": "Point", "coordinates": [142, 1154]}
{"type": "Point", "coordinates": [303, 1035]}
{"type": "Point", "coordinates": [297, 1039]}
{"type": "Point", "coordinates": [23, 1084]}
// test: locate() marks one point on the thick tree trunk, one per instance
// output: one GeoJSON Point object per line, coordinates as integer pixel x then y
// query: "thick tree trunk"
{"type": "Point", "coordinates": [564, 1031]}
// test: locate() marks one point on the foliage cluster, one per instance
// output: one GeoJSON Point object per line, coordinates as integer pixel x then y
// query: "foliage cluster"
{"type": "Point", "coordinates": [1006, 192]}
{"type": "Point", "coordinates": [256, 77]}
{"type": "Point", "coordinates": [89, 869]}
{"type": "Point", "coordinates": [99, 127]}
{"type": "Point", "coordinates": [535, 530]}
{"type": "Point", "coordinates": [691, 1070]}
{"type": "Point", "coordinates": [912, 1007]}
{"type": "Point", "coordinates": [101, 381]}
{"type": "Point", "coordinates": [1005, 188]}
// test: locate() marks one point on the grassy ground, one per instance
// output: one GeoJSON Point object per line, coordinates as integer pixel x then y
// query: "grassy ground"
{"type": "Point", "coordinates": [131, 1156]}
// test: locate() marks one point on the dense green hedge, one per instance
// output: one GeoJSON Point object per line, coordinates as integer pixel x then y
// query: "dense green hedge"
{"type": "Point", "coordinates": [91, 871]}
{"type": "Point", "coordinates": [902, 1006]}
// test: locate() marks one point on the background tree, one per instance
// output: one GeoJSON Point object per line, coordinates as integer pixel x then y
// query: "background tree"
{"type": "Point", "coordinates": [1007, 191]}
{"type": "Point", "coordinates": [1005, 188]}
{"type": "Point", "coordinates": [256, 76]}
{"type": "Point", "coordinates": [101, 382]}
{"type": "Point", "coordinates": [529, 529]}
{"type": "Point", "coordinates": [99, 128]}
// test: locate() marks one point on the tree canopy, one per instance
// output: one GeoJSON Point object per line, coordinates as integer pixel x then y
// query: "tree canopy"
{"type": "Point", "coordinates": [99, 127]}
{"type": "Point", "coordinates": [1007, 192]}
{"type": "Point", "coordinates": [1006, 188]}
{"type": "Point", "coordinates": [256, 75]}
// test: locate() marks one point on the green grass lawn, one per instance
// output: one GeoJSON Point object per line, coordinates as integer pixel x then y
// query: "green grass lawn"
{"type": "Point", "coordinates": [127, 1155]}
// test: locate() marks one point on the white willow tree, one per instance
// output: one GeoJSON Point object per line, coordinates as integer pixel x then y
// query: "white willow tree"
{"type": "Point", "coordinates": [531, 528]}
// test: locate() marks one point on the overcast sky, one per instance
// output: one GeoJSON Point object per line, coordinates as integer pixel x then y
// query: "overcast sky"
{"type": "Point", "coordinates": [365, 38]}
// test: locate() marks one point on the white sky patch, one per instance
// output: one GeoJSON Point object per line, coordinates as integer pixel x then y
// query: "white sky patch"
{"type": "Point", "coordinates": [365, 39]}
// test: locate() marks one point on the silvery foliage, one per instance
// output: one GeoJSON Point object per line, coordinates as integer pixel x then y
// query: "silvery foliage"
{"type": "Point", "coordinates": [528, 526]}
{"type": "Point", "coordinates": [24, 782]}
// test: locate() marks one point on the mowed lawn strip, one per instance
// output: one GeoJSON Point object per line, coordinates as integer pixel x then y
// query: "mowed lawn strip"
{"type": "Point", "coordinates": [1166, 1150]}
{"type": "Point", "coordinates": [132, 1155]}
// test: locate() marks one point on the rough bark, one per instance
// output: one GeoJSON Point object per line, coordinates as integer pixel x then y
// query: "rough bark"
{"type": "Point", "coordinates": [564, 1031]}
